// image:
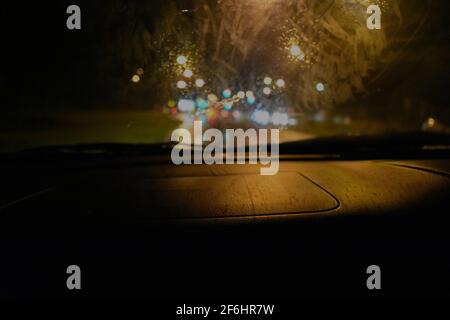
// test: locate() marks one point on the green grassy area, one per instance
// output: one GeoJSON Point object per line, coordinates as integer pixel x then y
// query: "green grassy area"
{"type": "Point", "coordinates": [74, 127]}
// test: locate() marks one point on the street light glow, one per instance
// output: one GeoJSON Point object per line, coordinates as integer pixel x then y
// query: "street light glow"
{"type": "Point", "coordinates": [188, 74]}
{"type": "Point", "coordinates": [320, 87]}
{"type": "Point", "coordinates": [181, 84]}
{"type": "Point", "coordinates": [267, 81]}
{"type": "Point", "coordinates": [181, 60]}
{"type": "Point", "coordinates": [136, 78]}
{"type": "Point", "coordinates": [281, 83]}
{"type": "Point", "coordinates": [267, 91]}
{"type": "Point", "coordinates": [199, 83]}
{"type": "Point", "coordinates": [297, 52]}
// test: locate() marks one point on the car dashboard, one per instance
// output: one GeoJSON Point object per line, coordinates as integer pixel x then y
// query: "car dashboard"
{"type": "Point", "coordinates": [227, 230]}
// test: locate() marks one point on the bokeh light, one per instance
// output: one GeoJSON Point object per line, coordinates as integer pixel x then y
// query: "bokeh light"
{"type": "Point", "coordinates": [186, 105]}
{"type": "Point", "coordinates": [281, 83]}
{"type": "Point", "coordinates": [227, 93]}
{"type": "Point", "coordinates": [251, 99]}
{"type": "Point", "coordinates": [280, 119]}
{"type": "Point", "coordinates": [188, 74]}
{"type": "Point", "coordinates": [199, 83]}
{"type": "Point", "coordinates": [213, 98]}
{"type": "Point", "coordinates": [297, 52]}
{"type": "Point", "coordinates": [140, 71]}
{"type": "Point", "coordinates": [228, 105]}
{"type": "Point", "coordinates": [202, 103]}
{"type": "Point", "coordinates": [171, 104]}
{"type": "Point", "coordinates": [181, 84]}
{"type": "Point", "coordinates": [261, 117]}
{"type": "Point", "coordinates": [181, 60]}
{"type": "Point", "coordinates": [135, 78]}
{"type": "Point", "coordinates": [320, 87]}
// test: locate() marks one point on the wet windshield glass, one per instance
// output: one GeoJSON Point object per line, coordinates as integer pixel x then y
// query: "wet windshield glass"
{"type": "Point", "coordinates": [133, 71]}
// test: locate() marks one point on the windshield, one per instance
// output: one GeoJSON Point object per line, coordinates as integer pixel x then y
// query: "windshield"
{"type": "Point", "coordinates": [135, 71]}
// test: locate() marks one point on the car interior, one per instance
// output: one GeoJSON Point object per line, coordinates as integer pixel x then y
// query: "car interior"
{"type": "Point", "coordinates": [99, 100]}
